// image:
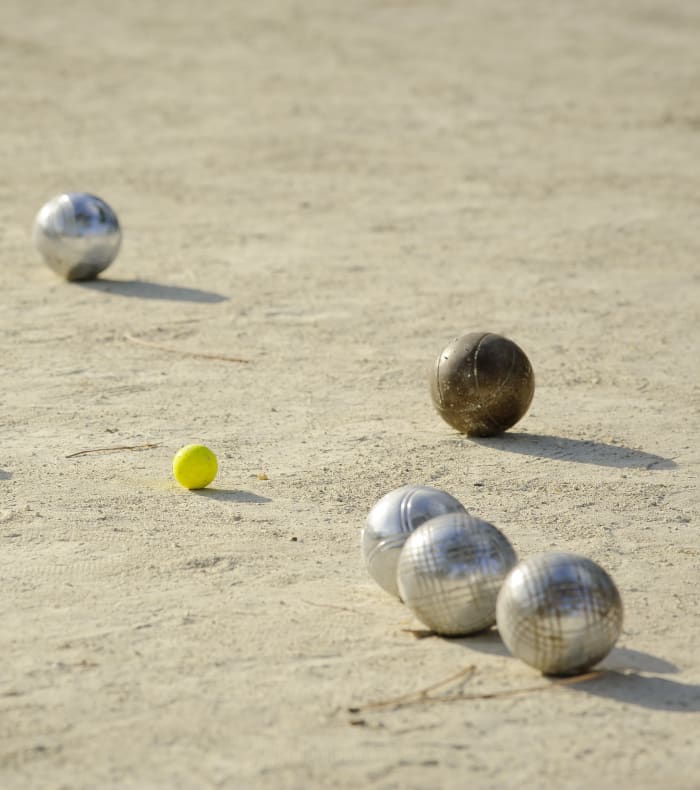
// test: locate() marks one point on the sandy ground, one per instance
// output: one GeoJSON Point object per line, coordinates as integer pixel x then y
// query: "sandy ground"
{"type": "Point", "coordinates": [334, 191]}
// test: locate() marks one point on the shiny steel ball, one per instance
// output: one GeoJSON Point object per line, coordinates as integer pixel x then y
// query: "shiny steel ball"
{"type": "Point", "coordinates": [482, 384]}
{"type": "Point", "coordinates": [559, 612]}
{"type": "Point", "coordinates": [390, 522]}
{"type": "Point", "coordinates": [78, 235]}
{"type": "Point", "coordinates": [450, 571]}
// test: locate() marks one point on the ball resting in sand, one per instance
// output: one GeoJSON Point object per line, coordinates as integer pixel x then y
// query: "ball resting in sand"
{"type": "Point", "coordinates": [194, 466]}
{"type": "Point", "coordinates": [77, 235]}
{"type": "Point", "coordinates": [559, 612]}
{"type": "Point", "coordinates": [391, 521]}
{"type": "Point", "coordinates": [482, 384]}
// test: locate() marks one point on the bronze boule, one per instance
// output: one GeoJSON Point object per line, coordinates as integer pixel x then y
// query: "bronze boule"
{"type": "Point", "coordinates": [482, 384]}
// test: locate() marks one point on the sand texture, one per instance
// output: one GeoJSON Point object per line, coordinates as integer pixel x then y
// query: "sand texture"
{"type": "Point", "coordinates": [333, 191]}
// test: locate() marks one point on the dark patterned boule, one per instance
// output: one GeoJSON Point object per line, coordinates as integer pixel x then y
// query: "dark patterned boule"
{"type": "Point", "coordinates": [482, 384]}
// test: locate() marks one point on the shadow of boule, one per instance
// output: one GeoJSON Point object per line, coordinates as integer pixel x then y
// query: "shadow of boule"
{"type": "Point", "coordinates": [582, 451]}
{"type": "Point", "coordinates": [142, 289]}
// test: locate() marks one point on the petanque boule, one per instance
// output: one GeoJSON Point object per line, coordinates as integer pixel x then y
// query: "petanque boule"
{"type": "Point", "coordinates": [450, 571]}
{"type": "Point", "coordinates": [392, 519]}
{"type": "Point", "coordinates": [77, 235]}
{"type": "Point", "coordinates": [559, 612]}
{"type": "Point", "coordinates": [482, 384]}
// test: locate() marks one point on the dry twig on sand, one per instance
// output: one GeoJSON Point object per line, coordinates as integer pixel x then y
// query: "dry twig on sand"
{"type": "Point", "coordinates": [423, 695]}
{"type": "Point", "coordinates": [419, 633]}
{"type": "Point", "coordinates": [148, 343]}
{"type": "Point", "coordinates": [331, 606]}
{"type": "Point", "coordinates": [147, 446]}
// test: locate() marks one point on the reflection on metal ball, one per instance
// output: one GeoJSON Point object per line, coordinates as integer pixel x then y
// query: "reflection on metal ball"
{"type": "Point", "coordinates": [390, 522]}
{"type": "Point", "coordinates": [78, 235]}
{"type": "Point", "coordinates": [559, 612]}
{"type": "Point", "coordinates": [482, 384]}
{"type": "Point", "coordinates": [450, 571]}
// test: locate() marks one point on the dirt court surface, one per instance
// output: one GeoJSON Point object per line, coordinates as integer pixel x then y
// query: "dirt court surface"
{"type": "Point", "coordinates": [334, 191]}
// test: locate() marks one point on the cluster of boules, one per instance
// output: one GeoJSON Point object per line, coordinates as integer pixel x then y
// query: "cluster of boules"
{"type": "Point", "coordinates": [459, 575]}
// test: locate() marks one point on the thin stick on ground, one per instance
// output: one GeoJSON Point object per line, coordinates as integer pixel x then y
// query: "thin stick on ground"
{"type": "Point", "coordinates": [331, 606]}
{"type": "Point", "coordinates": [171, 350]}
{"type": "Point", "coordinates": [423, 697]}
{"type": "Point", "coordinates": [419, 633]}
{"type": "Point", "coordinates": [527, 690]}
{"type": "Point", "coordinates": [417, 696]}
{"type": "Point", "coordinates": [147, 446]}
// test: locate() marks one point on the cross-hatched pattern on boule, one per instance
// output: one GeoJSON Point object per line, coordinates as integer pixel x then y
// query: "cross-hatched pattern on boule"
{"type": "Point", "coordinates": [559, 612]}
{"type": "Point", "coordinates": [450, 571]}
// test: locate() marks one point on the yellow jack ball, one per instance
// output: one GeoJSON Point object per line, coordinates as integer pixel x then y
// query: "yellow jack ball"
{"type": "Point", "coordinates": [194, 466]}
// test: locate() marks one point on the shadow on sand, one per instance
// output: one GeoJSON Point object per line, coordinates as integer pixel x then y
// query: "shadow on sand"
{"type": "Point", "coordinates": [621, 680]}
{"type": "Point", "coordinates": [231, 495]}
{"type": "Point", "coordinates": [140, 289]}
{"type": "Point", "coordinates": [580, 451]}
{"type": "Point", "coordinates": [645, 692]}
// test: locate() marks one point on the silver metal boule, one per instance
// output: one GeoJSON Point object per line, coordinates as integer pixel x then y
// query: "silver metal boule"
{"type": "Point", "coordinates": [77, 234]}
{"type": "Point", "coordinates": [450, 571]}
{"type": "Point", "coordinates": [559, 612]}
{"type": "Point", "coordinates": [391, 521]}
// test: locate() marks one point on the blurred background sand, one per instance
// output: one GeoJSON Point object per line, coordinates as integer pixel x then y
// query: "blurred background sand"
{"type": "Point", "coordinates": [334, 191]}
